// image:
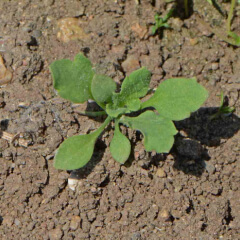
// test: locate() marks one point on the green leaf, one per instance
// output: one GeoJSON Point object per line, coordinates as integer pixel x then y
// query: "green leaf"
{"type": "Point", "coordinates": [133, 87]}
{"type": "Point", "coordinates": [176, 98]}
{"type": "Point", "coordinates": [72, 79]}
{"type": "Point", "coordinates": [154, 30]}
{"type": "Point", "coordinates": [115, 111]}
{"type": "Point", "coordinates": [210, 1]}
{"type": "Point", "coordinates": [136, 84]}
{"type": "Point", "coordinates": [158, 132]}
{"type": "Point", "coordinates": [235, 37]}
{"type": "Point", "coordinates": [120, 146]}
{"type": "Point", "coordinates": [75, 152]}
{"type": "Point", "coordinates": [133, 105]}
{"type": "Point", "coordinates": [103, 88]}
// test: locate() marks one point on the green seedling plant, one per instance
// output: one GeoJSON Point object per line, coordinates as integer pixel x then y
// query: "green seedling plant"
{"type": "Point", "coordinates": [230, 36]}
{"type": "Point", "coordinates": [222, 110]}
{"type": "Point", "coordinates": [161, 22]}
{"type": "Point", "coordinates": [173, 100]}
{"type": "Point", "coordinates": [235, 38]}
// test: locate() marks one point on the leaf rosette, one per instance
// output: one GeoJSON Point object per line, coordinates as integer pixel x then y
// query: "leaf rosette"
{"type": "Point", "coordinates": [173, 100]}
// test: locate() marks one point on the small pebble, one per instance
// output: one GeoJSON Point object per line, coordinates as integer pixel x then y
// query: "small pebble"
{"type": "Point", "coordinates": [17, 222]}
{"type": "Point", "coordinates": [161, 173]}
{"type": "Point", "coordinates": [130, 64]}
{"type": "Point", "coordinates": [75, 223]}
{"type": "Point", "coordinates": [72, 183]}
{"type": "Point", "coordinates": [164, 214]}
{"type": "Point", "coordinates": [210, 168]}
{"type": "Point", "coordinates": [56, 234]}
{"type": "Point", "coordinates": [37, 33]}
{"type": "Point", "coordinates": [215, 66]}
{"type": "Point", "coordinates": [7, 221]}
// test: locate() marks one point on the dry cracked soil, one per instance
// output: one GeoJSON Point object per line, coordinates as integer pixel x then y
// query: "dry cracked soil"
{"type": "Point", "coordinates": [191, 193]}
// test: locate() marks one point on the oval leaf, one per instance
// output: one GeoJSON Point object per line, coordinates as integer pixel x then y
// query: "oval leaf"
{"type": "Point", "coordinates": [102, 88]}
{"type": "Point", "coordinates": [158, 132]}
{"type": "Point", "coordinates": [120, 146]}
{"type": "Point", "coordinates": [75, 152]}
{"type": "Point", "coordinates": [72, 80]}
{"type": "Point", "coordinates": [176, 98]}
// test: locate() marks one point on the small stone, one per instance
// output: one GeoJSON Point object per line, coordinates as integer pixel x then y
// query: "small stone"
{"type": "Point", "coordinates": [8, 221]}
{"type": "Point", "coordinates": [130, 64]}
{"type": "Point", "coordinates": [17, 222]}
{"type": "Point", "coordinates": [37, 33]}
{"type": "Point", "coordinates": [31, 226]}
{"type": "Point", "coordinates": [5, 74]}
{"type": "Point", "coordinates": [215, 66]}
{"type": "Point", "coordinates": [140, 31]}
{"type": "Point", "coordinates": [56, 234]}
{"type": "Point", "coordinates": [161, 173]}
{"type": "Point", "coordinates": [72, 183]}
{"type": "Point", "coordinates": [75, 223]}
{"type": "Point", "coordinates": [70, 30]}
{"type": "Point", "coordinates": [210, 168]}
{"type": "Point", "coordinates": [91, 215]}
{"type": "Point", "coordinates": [164, 213]}
{"type": "Point", "coordinates": [171, 66]}
{"type": "Point", "coordinates": [178, 188]}
{"type": "Point", "coordinates": [136, 236]}
{"type": "Point", "coordinates": [193, 41]}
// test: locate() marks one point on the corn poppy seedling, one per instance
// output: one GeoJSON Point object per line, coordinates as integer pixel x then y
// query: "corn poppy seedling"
{"type": "Point", "coordinates": [173, 100]}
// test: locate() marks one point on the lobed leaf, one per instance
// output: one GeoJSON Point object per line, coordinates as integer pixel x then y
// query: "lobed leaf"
{"type": "Point", "coordinates": [103, 88]}
{"type": "Point", "coordinates": [158, 132]}
{"type": "Point", "coordinates": [133, 87]}
{"type": "Point", "coordinates": [176, 98]}
{"type": "Point", "coordinates": [72, 79]}
{"type": "Point", "coordinates": [120, 146]}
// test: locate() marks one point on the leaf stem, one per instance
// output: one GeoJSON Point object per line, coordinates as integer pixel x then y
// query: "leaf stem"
{"type": "Point", "coordinates": [102, 127]}
{"type": "Point", "coordinates": [91, 114]}
{"type": "Point", "coordinates": [230, 15]}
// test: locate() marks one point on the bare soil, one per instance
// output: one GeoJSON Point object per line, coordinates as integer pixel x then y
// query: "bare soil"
{"type": "Point", "coordinates": [191, 193]}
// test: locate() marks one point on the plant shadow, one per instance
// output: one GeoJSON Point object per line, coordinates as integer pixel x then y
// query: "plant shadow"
{"type": "Point", "coordinates": [181, 12]}
{"type": "Point", "coordinates": [190, 154]}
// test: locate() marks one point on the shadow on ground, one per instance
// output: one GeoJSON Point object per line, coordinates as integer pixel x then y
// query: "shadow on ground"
{"type": "Point", "coordinates": [190, 151]}
{"type": "Point", "coordinates": [196, 133]}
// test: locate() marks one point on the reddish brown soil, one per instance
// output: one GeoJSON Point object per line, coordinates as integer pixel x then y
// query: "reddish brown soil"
{"type": "Point", "coordinates": [191, 193]}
